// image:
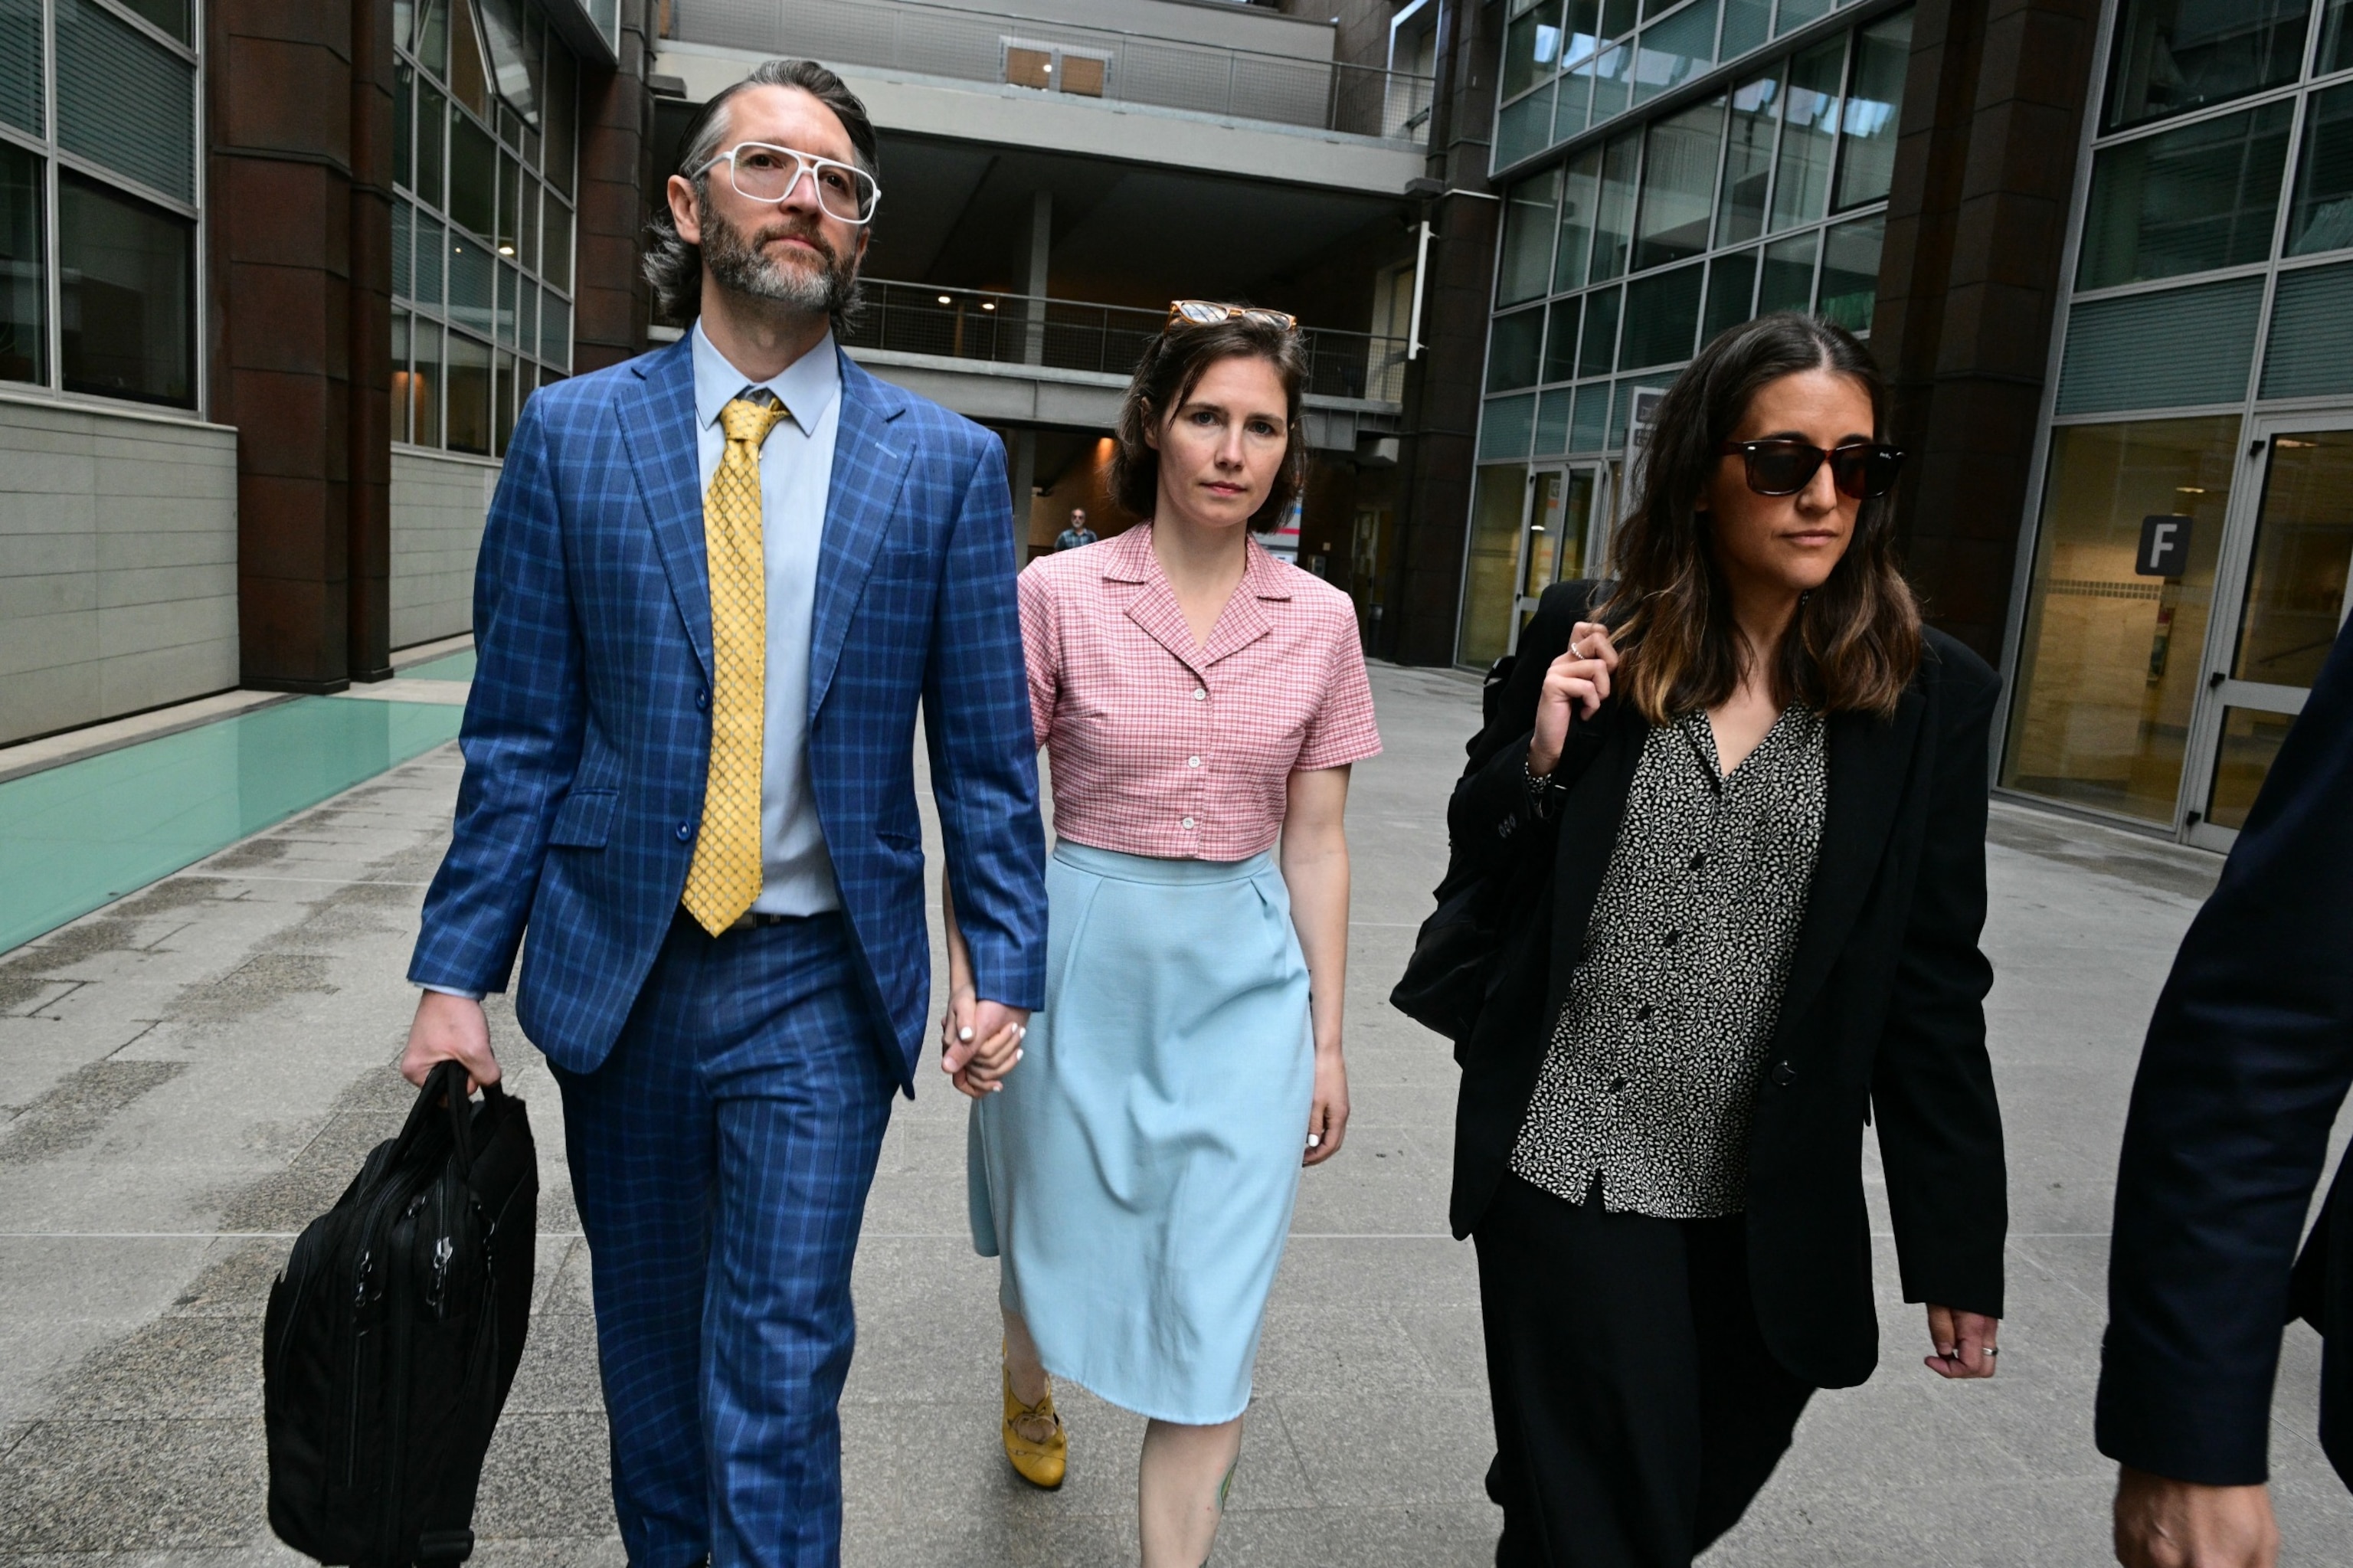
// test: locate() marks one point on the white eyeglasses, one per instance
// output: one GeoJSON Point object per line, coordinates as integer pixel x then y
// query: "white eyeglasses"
{"type": "Point", "coordinates": [763, 172]}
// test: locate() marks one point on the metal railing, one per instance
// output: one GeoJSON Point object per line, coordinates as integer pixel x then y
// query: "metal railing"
{"type": "Point", "coordinates": [1072, 334]}
{"type": "Point", "coordinates": [1066, 59]}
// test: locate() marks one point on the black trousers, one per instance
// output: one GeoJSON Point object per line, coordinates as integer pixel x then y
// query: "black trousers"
{"type": "Point", "coordinates": [1637, 1409]}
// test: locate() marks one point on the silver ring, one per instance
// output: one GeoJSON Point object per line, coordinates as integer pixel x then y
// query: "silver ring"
{"type": "Point", "coordinates": [1990, 1350]}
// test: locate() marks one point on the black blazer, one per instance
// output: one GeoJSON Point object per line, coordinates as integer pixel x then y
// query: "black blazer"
{"type": "Point", "coordinates": [2248, 1058]}
{"type": "Point", "coordinates": [1884, 1005]}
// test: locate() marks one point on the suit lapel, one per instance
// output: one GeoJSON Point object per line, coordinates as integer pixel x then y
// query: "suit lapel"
{"type": "Point", "coordinates": [1866, 761]}
{"type": "Point", "coordinates": [657, 426]}
{"type": "Point", "coordinates": [869, 464]}
{"type": "Point", "coordinates": [1590, 820]}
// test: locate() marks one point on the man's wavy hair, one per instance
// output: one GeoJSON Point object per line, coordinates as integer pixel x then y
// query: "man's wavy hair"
{"type": "Point", "coordinates": [1854, 643]}
{"type": "Point", "coordinates": [672, 265]}
{"type": "Point", "coordinates": [1172, 366]}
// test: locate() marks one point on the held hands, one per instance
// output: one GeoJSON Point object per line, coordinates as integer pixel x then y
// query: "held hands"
{"type": "Point", "coordinates": [1965, 1342]}
{"type": "Point", "coordinates": [1327, 1112]}
{"type": "Point", "coordinates": [449, 1028]}
{"type": "Point", "coordinates": [2165, 1524]}
{"type": "Point", "coordinates": [1573, 689]}
{"type": "Point", "coordinates": [980, 1041]}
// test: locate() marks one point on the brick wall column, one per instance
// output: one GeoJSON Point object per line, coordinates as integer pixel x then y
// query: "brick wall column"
{"type": "Point", "coordinates": [611, 300]}
{"type": "Point", "coordinates": [1977, 226]}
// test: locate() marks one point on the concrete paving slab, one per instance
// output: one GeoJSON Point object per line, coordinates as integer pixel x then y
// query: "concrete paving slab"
{"type": "Point", "coordinates": [189, 1074]}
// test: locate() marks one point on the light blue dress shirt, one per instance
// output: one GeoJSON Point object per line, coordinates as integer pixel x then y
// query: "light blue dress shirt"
{"type": "Point", "coordinates": [796, 472]}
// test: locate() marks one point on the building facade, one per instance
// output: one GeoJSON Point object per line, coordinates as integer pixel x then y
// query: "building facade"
{"type": "Point", "coordinates": [2102, 252]}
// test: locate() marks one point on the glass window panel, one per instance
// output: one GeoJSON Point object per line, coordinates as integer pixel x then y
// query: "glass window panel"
{"type": "Point", "coordinates": [508, 278]}
{"type": "Point", "coordinates": [1531, 47]}
{"type": "Point", "coordinates": [2336, 37]}
{"type": "Point", "coordinates": [1675, 51]}
{"type": "Point", "coordinates": [432, 131]}
{"type": "Point", "coordinates": [1787, 282]}
{"type": "Point", "coordinates": [555, 253]}
{"type": "Point", "coordinates": [2322, 218]}
{"type": "Point", "coordinates": [2310, 352]}
{"type": "Point", "coordinates": [527, 251]}
{"type": "Point", "coordinates": [1493, 558]}
{"type": "Point", "coordinates": [404, 241]}
{"type": "Point", "coordinates": [1611, 68]}
{"type": "Point", "coordinates": [1505, 425]}
{"type": "Point", "coordinates": [1530, 211]}
{"type": "Point", "coordinates": [471, 281]}
{"type": "Point", "coordinates": [24, 316]}
{"type": "Point", "coordinates": [1748, 158]}
{"type": "Point", "coordinates": [1874, 106]}
{"type": "Point", "coordinates": [404, 22]}
{"type": "Point", "coordinates": [433, 42]}
{"type": "Point", "coordinates": [1580, 197]}
{"type": "Point", "coordinates": [1515, 347]}
{"type": "Point", "coordinates": [511, 37]}
{"type": "Point", "coordinates": [404, 127]}
{"type": "Point", "coordinates": [1597, 353]}
{"type": "Point", "coordinates": [1747, 24]}
{"type": "Point", "coordinates": [1560, 339]}
{"type": "Point", "coordinates": [502, 402]}
{"type": "Point", "coordinates": [555, 331]}
{"type": "Point", "coordinates": [2109, 659]}
{"type": "Point", "coordinates": [128, 276]}
{"type": "Point", "coordinates": [2298, 580]}
{"type": "Point", "coordinates": [2172, 55]}
{"type": "Point", "coordinates": [473, 174]}
{"type": "Point", "coordinates": [509, 200]}
{"type": "Point", "coordinates": [1796, 14]}
{"type": "Point", "coordinates": [125, 100]}
{"type": "Point", "coordinates": [2187, 200]}
{"type": "Point", "coordinates": [1851, 273]}
{"type": "Point", "coordinates": [424, 382]}
{"type": "Point", "coordinates": [1678, 186]}
{"type": "Point", "coordinates": [402, 377]}
{"type": "Point", "coordinates": [1661, 314]}
{"type": "Point", "coordinates": [1552, 420]}
{"type": "Point", "coordinates": [1573, 99]}
{"type": "Point", "coordinates": [1524, 128]}
{"type": "Point", "coordinates": [1580, 26]}
{"type": "Point", "coordinates": [469, 79]}
{"type": "Point", "coordinates": [1617, 18]}
{"type": "Point", "coordinates": [1613, 218]}
{"type": "Point", "coordinates": [1731, 285]}
{"type": "Point", "coordinates": [1588, 428]}
{"type": "Point", "coordinates": [432, 253]}
{"type": "Point", "coordinates": [2250, 742]}
{"type": "Point", "coordinates": [1802, 180]}
{"type": "Point", "coordinates": [21, 94]}
{"type": "Point", "coordinates": [527, 318]}
{"type": "Point", "coordinates": [468, 414]}
{"type": "Point", "coordinates": [169, 15]}
{"type": "Point", "coordinates": [563, 111]}
{"type": "Point", "coordinates": [2127, 353]}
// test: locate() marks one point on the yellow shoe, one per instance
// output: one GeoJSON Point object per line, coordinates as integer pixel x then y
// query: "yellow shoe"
{"type": "Point", "coordinates": [1041, 1463]}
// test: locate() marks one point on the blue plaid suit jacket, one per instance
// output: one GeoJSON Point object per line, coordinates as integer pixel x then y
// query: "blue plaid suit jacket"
{"type": "Point", "coordinates": [587, 733]}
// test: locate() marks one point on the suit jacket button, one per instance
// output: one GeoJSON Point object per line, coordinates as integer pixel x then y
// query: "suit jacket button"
{"type": "Point", "coordinates": [703, 701]}
{"type": "Point", "coordinates": [1784, 1075]}
{"type": "Point", "coordinates": [685, 832]}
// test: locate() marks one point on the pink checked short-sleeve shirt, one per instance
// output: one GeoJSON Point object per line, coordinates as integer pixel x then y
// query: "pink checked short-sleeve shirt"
{"type": "Point", "coordinates": [1161, 746]}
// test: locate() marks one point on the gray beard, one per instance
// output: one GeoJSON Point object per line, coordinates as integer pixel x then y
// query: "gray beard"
{"type": "Point", "coordinates": [737, 266]}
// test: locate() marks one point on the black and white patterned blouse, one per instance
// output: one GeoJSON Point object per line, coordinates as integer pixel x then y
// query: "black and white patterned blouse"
{"type": "Point", "coordinates": [1652, 1074]}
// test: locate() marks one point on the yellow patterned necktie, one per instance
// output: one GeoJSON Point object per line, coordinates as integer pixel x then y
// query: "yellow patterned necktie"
{"type": "Point", "coordinates": [724, 876]}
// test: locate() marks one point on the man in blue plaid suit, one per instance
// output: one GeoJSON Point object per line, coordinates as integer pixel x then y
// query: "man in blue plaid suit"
{"type": "Point", "coordinates": [727, 1071]}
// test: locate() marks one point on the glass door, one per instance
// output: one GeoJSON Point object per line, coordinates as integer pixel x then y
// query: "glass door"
{"type": "Point", "coordinates": [1554, 535]}
{"type": "Point", "coordinates": [2286, 585]}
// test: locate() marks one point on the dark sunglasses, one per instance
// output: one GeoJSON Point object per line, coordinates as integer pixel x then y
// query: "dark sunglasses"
{"type": "Point", "coordinates": [1863, 470]}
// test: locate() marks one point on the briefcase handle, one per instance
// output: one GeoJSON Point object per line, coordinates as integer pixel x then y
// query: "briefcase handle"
{"type": "Point", "coordinates": [445, 1089]}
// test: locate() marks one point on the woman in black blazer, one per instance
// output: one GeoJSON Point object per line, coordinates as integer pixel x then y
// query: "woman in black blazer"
{"type": "Point", "coordinates": [1734, 804]}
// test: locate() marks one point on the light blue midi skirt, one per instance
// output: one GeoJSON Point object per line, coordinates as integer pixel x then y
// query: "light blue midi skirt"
{"type": "Point", "coordinates": [1136, 1174]}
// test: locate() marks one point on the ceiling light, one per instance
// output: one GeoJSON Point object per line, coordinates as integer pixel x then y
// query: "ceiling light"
{"type": "Point", "coordinates": [987, 305]}
{"type": "Point", "coordinates": [2189, 490]}
{"type": "Point", "coordinates": [945, 300]}
{"type": "Point", "coordinates": [506, 250]}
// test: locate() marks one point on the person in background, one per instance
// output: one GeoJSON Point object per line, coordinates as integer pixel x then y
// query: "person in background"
{"type": "Point", "coordinates": [715, 586]}
{"type": "Point", "coordinates": [2247, 1063]}
{"type": "Point", "coordinates": [1078, 534]}
{"type": "Point", "coordinates": [1201, 703]}
{"type": "Point", "coordinates": [1748, 788]}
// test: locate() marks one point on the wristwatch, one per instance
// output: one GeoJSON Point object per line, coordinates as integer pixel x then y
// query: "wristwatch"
{"type": "Point", "coordinates": [1545, 793]}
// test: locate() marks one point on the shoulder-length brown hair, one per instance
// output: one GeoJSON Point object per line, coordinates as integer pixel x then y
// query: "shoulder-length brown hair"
{"type": "Point", "coordinates": [1172, 366]}
{"type": "Point", "coordinates": [1854, 643]}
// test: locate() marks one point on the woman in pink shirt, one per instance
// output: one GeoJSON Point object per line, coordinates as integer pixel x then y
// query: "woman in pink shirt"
{"type": "Point", "coordinates": [1200, 702]}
